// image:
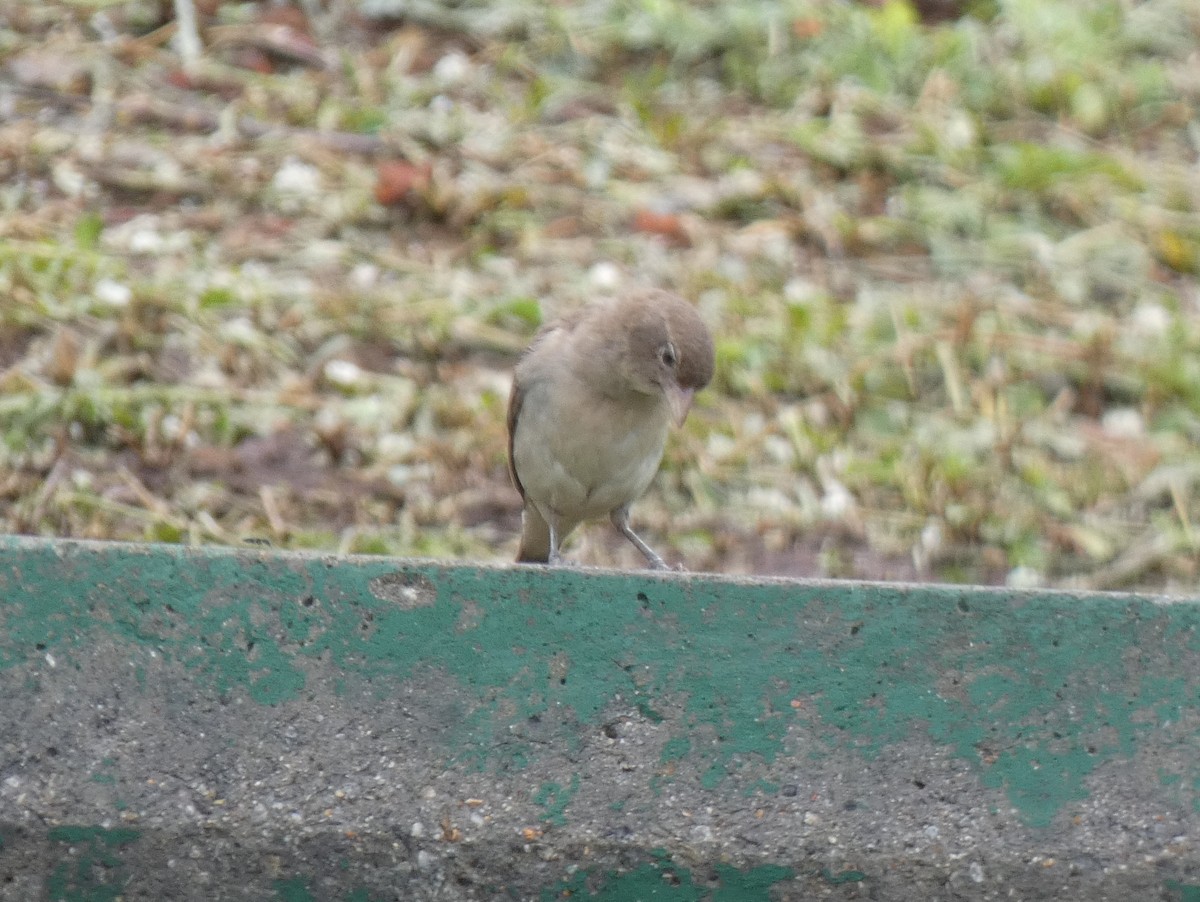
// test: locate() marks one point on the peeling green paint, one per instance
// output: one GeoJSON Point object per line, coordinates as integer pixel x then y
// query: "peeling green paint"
{"type": "Point", "coordinates": [670, 882]}
{"type": "Point", "coordinates": [647, 882]}
{"type": "Point", "coordinates": [735, 664]}
{"type": "Point", "coordinates": [555, 798]}
{"type": "Point", "coordinates": [676, 749]}
{"type": "Point", "coordinates": [95, 872]}
{"type": "Point", "coordinates": [1183, 892]}
{"type": "Point", "coordinates": [297, 889]}
{"type": "Point", "coordinates": [749, 885]}
{"type": "Point", "coordinates": [294, 889]}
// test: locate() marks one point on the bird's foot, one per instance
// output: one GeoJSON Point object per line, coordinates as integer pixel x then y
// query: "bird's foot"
{"type": "Point", "coordinates": [657, 563]}
{"type": "Point", "coordinates": [557, 560]}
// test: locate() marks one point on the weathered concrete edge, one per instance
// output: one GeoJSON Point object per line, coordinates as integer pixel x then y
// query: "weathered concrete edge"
{"type": "Point", "coordinates": [786, 648]}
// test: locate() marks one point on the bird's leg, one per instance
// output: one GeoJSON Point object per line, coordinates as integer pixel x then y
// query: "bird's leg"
{"type": "Point", "coordinates": [557, 534]}
{"type": "Point", "coordinates": [620, 519]}
{"type": "Point", "coordinates": [554, 558]}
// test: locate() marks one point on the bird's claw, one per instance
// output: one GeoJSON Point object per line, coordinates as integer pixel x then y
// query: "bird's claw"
{"type": "Point", "coordinates": [657, 563]}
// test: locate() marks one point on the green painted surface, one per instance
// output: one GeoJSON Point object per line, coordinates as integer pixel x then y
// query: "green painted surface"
{"type": "Point", "coordinates": [840, 877]}
{"type": "Point", "coordinates": [983, 674]}
{"type": "Point", "coordinates": [95, 871]}
{"type": "Point", "coordinates": [1183, 892]}
{"type": "Point", "coordinates": [555, 798]}
{"type": "Point", "coordinates": [293, 890]}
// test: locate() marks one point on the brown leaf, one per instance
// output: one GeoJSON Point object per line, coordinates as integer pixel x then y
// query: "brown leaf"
{"type": "Point", "coordinates": [807, 29]}
{"type": "Point", "coordinates": [668, 225]}
{"type": "Point", "coordinates": [225, 88]}
{"type": "Point", "coordinates": [398, 181]}
{"type": "Point", "coordinates": [253, 59]}
{"type": "Point", "coordinates": [63, 360]}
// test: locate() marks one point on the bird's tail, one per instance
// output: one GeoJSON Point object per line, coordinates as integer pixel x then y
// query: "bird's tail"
{"type": "Point", "coordinates": [535, 537]}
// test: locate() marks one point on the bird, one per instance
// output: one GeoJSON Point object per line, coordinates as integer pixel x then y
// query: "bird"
{"type": "Point", "coordinates": [593, 399]}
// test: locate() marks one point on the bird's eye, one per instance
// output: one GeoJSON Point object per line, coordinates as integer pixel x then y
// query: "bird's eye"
{"type": "Point", "coordinates": [668, 356]}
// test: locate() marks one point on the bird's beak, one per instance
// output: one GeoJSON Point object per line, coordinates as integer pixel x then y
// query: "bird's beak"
{"type": "Point", "coordinates": [680, 399]}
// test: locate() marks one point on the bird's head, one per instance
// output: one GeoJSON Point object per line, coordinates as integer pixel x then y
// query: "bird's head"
{"type": "Point", "coordinates": [669, 349]}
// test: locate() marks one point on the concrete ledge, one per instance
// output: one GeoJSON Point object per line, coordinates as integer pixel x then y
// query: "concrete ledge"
{"type": "Point", "coordinates": [215, 724]}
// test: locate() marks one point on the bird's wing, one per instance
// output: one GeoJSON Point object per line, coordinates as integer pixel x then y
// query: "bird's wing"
{"type": "Point", "coordinates": [516, 396]}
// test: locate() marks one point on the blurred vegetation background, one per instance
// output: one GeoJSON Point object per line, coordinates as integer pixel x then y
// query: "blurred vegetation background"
{"type": "Point", "coordinates": [266, 276]}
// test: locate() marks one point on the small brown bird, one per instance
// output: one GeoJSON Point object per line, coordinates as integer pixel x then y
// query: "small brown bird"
{"type": "Point", "coordinates": [592, 401]}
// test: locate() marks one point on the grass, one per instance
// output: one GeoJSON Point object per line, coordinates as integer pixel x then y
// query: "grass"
{"type": "Point", "coordinates": [950, 264]}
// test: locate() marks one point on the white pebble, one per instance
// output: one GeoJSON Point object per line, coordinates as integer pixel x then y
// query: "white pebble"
{"type": "Point", "coordinates": [114, 294]}
{"type": "Point", "coordinates": [295, 177]}
{"type": "Point", "coordinates": [1123, 422]}
{"type": "Point", "coordinates": [343, 372]}
{"type": "Point", "coordinates": [605, 275]}
{"type": "Point", "coordinates": [1023, 577]}
{"type": "Point", "coordinates": [452, 68]}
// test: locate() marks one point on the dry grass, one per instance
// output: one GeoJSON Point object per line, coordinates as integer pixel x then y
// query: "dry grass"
{"type": "Point", "coordinates": [952, 266]}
